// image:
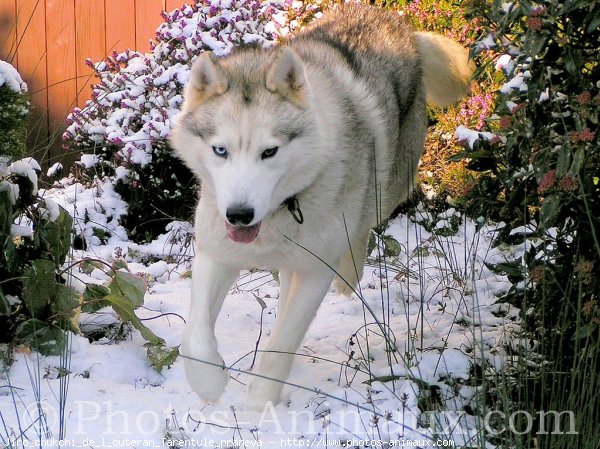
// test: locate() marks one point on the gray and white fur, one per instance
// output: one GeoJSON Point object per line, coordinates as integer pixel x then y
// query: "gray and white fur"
{"type": "Point", "coordinates": [330, 125]}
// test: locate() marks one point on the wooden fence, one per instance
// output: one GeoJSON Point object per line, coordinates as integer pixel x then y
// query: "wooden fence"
{"type": "Point", "coordinates": [48, 41]}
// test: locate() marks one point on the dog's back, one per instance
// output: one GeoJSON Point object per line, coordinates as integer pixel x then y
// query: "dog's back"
{"type": "Point", "coordinates": [373, 37]}
{"type": "Point", "coordinates": [402, 70]}
{"type": "Point", "coordinates": [378, 52]}
{"type": "Point", "coordinates": [377, 44]}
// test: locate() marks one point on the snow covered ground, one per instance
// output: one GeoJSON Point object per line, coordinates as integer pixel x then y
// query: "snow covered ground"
{"type": "Point", "coordinates": [436, 301]}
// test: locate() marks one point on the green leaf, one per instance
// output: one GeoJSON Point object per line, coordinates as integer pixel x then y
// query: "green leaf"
{"type": "Point", "coordinates": [58, 235]}
{"type": "Point", "coordinates": [391, 246]}
{"type": "Point", "coordinates": [129, 286]}
{"type": "Point", "coordinates": [4, 304]}
{"type": "Point", "coordinates": [45, 338]}
{"type": "Point", "coordinates": [275, 275]}
{"type": "Point", "coordinates": [536, 44]}
{"type": "Point", "coordinates": [93, 298]}
{"type": "Point", "coordinates": [572, 61]}
{"type": "Point", "coordinates": [119, 264]}
{"type": "Point", "coordinates": [11, 255]}
{"type": "Point", "coordinates": [372, 242]}
{"type": "Point", "coordinates": [595, 22]}
{"type": "Point", "coordinates": [161, 356]}
{"type": "Point", "coordinates": [458, 157]}
{"type": "Point", "coordinates": [584, 331]}
{"type": "Point", "coordinates": [95, 291]}
{"type": "Point", "coordinates": [6, 214]}
{"type": "Point", "coordinates": [506, 268]}
{"type": "Point", "coordinates": [578, 159]}
{"type": "Point", "coordinates": [65, 303]}
{"type": "Point", "coordinates": [479, 154]}
{"type": "Point", "coordinates": [125, 309]}
{"type": "Point", "coordinates": [87, 266]}
{"type": "Point", "coordinates": [549, 211]}
{"type": "Point", "coordinates": [39, 286]}
{"type": "Point", "coordinates": [563, 161]}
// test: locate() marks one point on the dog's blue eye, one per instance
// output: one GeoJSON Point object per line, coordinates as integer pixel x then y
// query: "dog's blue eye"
{"type": "Point", "coordinates": [269, 152]}
{"type": "Point", "coordinates": [220, 151]}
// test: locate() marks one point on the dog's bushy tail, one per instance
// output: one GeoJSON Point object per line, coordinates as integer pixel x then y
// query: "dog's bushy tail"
{"type": "Point", "coordinates": [446, 68]}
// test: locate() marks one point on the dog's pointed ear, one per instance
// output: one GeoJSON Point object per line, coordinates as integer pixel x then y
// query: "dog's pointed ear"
{"type": "Point", "coordinates": [286, 77]}
{"type": "Point", "coordinates": [207, 79]}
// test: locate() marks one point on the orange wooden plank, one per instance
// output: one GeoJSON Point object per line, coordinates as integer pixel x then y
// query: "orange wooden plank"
{"type": "Point", "coordinates": [120, 25]}
{"type": "Point", "coordinates": [170, 5]}
{"type": "Point", "coordinates": [62, 70]}
{"type": "Point", "coordinates": [31, 40]}
{"type": "Point", "coordinates": [8, 30]}
{"type": "Point", "coordinates": [147, 19]}
{"type": "Point", "coordinates": [90, 43]}
{"type": "Point", "coordinates": [31, 63]}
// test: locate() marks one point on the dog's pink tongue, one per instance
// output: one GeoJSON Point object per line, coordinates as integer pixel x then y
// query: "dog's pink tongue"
{"type": "Point", "coordinates": [242, 234]}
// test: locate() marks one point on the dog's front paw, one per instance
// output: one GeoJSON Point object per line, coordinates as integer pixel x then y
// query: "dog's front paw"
{"type": "Point", "coordinates": [204, 367]}
{"type": "Point", "coordinates": [207, 380]}
{"type": "Point", "coordinates": [263, 392]}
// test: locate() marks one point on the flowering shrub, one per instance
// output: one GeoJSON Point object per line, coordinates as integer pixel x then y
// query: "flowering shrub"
{"type": "Point", "coordinates": [14, 108]}
{"type": "Point", "coordinates": [540, 175]}
{"type": "Point", "coordinates": [127, 122]}
{"type": "Point", "coordinates": [446, 17]}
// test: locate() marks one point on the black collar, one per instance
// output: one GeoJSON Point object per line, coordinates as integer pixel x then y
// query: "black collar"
{"type": "Point", "coordinates": [293, 206]}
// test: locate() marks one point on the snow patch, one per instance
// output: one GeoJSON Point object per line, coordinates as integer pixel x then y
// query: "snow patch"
{"type": "Point", "coordinates": [10, 78]}
{"type": "Point", "coordinates": [470, 136]}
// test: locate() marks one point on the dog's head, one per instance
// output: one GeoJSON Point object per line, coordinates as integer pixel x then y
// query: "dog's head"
{"type": "Point", "coordinates": [247, 131]}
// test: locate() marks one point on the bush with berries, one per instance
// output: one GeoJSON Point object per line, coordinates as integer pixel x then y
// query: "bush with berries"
{"type": "Point", "coordinates": [539, 173]}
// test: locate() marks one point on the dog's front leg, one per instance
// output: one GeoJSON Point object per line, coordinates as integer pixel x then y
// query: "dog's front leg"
{"type": "Point", "coordinates": [305, 293]}
{"type": "Point", "coordinates": [285, 279]}
{"type": "Point", "coordinates": [204, 366]}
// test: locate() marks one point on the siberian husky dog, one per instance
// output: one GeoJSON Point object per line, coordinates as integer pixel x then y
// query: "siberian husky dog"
{"type": "Point", "coordinates": [301, 149]}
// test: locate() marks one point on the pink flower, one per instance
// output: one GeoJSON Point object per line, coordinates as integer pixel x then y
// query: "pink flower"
{"type": "Point", "coordinates": [535, 23]}
{"type": "Point", "coordinates": [582, 136]}
{"type": "Point", "coordinates": [536, 274]}
{"type": "Point", "coordinates": [569, 183]}
{"type": "Point", "coordinates": [505, 122]}
{"type": "Point", "coordinates": [517, 108]}
{"type": "Point", "coordinates": [548, 181]}
{"type": "Point", "coordinates": [586, 135]}
{"type": "Point", "coordinates": [584, 98]}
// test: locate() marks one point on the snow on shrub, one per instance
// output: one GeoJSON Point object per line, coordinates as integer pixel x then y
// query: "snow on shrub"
{"type": "Point", "coordinates": [14, 108]}
{"type": "Point", "coordinates": [35, 238]}
{"type": "Point", "coordinates": [96, 210]}
{"type": "Point", "coordinates": [127, 122]}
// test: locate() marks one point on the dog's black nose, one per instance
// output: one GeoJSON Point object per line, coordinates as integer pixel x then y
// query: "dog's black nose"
{"type": "Point", "coordinates": [240, 215]}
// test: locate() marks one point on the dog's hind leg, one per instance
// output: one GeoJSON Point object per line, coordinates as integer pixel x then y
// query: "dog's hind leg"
{"type": "Point", "coordinates": [203, 364]}
{"type": "Point", "coordinates": [306, 292]}
{"type": "Point", "coordinates": [352, 265]}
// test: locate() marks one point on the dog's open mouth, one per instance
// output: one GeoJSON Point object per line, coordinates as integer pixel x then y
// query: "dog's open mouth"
{"type": "Point", "coordinates": [242, 234]}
